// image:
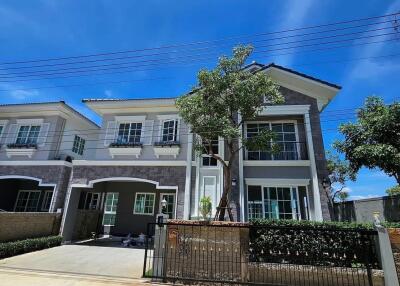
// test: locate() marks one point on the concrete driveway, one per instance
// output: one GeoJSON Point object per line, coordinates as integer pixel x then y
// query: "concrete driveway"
{"type": "Point", "coordinates": [75, 265]}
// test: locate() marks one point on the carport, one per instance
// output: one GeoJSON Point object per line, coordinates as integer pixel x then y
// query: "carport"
{"type": "Point", "coordinates": [116, 207]}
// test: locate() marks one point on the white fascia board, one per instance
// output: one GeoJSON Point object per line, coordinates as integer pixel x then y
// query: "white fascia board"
{"type": "Point", "coordinates": [36, 163]}
{"type": "Point", "coordinates": [170, 163]}
{"type": "Point", "coordinates": [285, 110]}
{"type": "Point", "coordinates": [276, 182]}
{"type": "Point", "coordinates": [276, 163]}
{"type": "Point", "coordinates": [133, 118]}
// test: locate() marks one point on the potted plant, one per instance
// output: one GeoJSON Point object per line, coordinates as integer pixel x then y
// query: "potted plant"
{"type": "Point", "coordinates": [205, 208]}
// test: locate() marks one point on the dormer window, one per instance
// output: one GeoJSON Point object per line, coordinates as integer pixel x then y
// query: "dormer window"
{"type": "Point", "coordinates": [28, 134]}
{"type": "Point", "coordinates": [170, 131]}
{"type": "Point", "coordinates": [129, 133]}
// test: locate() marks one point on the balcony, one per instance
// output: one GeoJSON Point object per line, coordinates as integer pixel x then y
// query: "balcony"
{"type": "Point", "coordinates": [125, 149]}
{"type": "Point", "coordinates": [289, 151]}
{"type": "Point", "coordinates": [17, 149]}
{"type": "Point", "coordinates": [169, 148]}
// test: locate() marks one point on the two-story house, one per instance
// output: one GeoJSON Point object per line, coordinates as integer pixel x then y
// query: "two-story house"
{"type": "Point", "coordinates": [38, 142]}
{"type": "Point", "coordinates": [144, 156]}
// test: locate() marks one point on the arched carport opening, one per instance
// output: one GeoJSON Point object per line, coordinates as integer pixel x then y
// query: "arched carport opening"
{"type": "Point", "coordinates": [116, 207]}
{"type": "Point", "coordinates": [25, 194]}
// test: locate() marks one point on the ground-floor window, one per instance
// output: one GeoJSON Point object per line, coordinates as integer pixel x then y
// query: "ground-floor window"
{"type": "Point", "coordinates": [48, 195]}
{"type": "Point", "coordinates": [170, 208]}
{"type": "Point", "coordinates": [27, 201]}
{"type": "Point", "coordinates": [110, 209]}
{"type": "Point", "coordinates": [144, 203]}
{"type": "Point", "coordinates": [275, 202]}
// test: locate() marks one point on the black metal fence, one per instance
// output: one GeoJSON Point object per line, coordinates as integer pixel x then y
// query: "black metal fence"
{"type": "Point", "coordinates": [261, 255]}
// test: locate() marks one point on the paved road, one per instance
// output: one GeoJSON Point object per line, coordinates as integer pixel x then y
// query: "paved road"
{"type": "Point", "coordinates": [74, 265]}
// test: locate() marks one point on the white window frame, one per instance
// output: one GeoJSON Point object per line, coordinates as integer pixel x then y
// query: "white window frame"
{"type": "Point", "coordinates": [28, 132]}
{"type": "Point", "coordinates": [29, 191]}
{"type": "Point", "coordinates": [45, 197]}
{"type": "Point", "coordinates": [109, 212]}
{"type": "Point", "coordinates": [208, 156]}
{"type": "Point", "coordinates": [81, 142]}
{"type": "Point", "coordinates": [129, 130]}
{"type": "Point", "coordinates": [91, 200]}
{"type": "Point", "coordinates": [290, 187]}
{"type": "Point", "coordinates": [270, 122]}
{"type": "Point", "coordinates": [146, 194]}
{"type": "Point", "coordinates": [174, 204]}
{"type": "Point", "coordinates": [176, 128]}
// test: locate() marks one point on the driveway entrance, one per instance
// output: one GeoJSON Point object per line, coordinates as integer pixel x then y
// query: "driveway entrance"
{"type": "Point", "coordinates": [78, 263]}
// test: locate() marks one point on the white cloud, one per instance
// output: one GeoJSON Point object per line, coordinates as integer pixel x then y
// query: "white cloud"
{"type": "Point", "coordinates": [369, 196]}
{"type": "Point", "coordinates": [368, 69]}
{"type": "Point", "coordinates": [296, 12]}
{"type": "Point", "coordinates": [108, 93]}
{"type": "Point", "coordinates": [24, 94]}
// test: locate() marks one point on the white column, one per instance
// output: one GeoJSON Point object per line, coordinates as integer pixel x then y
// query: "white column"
{"type": "Point", "coordinates": [313, 168]}
{"type": "Point", "coordinates": [241, 179]}
{"type": "Point", "coordinates": [188, 185]}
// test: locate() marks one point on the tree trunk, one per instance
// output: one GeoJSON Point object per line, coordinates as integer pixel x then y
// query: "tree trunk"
{"type": "Point", "coordinates": [224, 202]}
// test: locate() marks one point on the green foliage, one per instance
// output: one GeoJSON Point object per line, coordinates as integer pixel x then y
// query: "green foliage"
{"type": "Point", "coordinates": [8, 249]}
{"type": "Point", "coordinates": [388, 224]}
{"type": "Point", "coordinates": [393, 191]}
{"type": "Point", "coordinates": [339, 173]}
{"type": "Point", "coordinates": [373, 141]}
{"type": "Point", "coordinates": [212, 108]}
{"type": "Point", "coordinates": [205, 207]}
{"type": "Point", "coordinates": [312, 243]}
{"type": "Point", "coordinates": [313, 224]}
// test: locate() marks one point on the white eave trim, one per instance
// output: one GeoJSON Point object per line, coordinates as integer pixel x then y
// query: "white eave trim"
{"type": "Point", "coordinates": [36, 163]}
{"type": "Point", "coordinates": [276, 163]}
{"type": "Point", "coordinates": [30, 121]}
{"type": "Point", "coordinates": [171, 163]}
{"type": "Point", "coordinates": [276, 182]}
{"type": "Point", "coordinates": [285, 110]}
{"type": "Point", "coordinates": [136, 118]}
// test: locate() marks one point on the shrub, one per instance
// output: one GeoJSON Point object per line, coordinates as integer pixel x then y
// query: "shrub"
{"type": "Point", "coordinates": [8, 249]}
{"type": "Point", "coordinates": [313, 243]}
{"type": "Point", "coordinates": [393, 191]}
{"type": "Point", "coordinates": [205, 207]}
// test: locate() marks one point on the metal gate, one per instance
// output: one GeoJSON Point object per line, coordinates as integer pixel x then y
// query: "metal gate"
{"type": "Point", "coordinates": [260, 255]}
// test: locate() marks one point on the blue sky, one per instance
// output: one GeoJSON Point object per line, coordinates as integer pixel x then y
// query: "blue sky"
{"type": "Point", "coordinates": [46, 29]}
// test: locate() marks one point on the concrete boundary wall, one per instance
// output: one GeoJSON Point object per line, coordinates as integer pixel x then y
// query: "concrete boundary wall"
{"type": "Point", "coordinates": [19, 225]}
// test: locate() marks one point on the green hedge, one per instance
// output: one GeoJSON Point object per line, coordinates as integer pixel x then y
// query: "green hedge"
{"type": "Point", "coordinates": [8, 249]}
{"type": "Point", "coordinates": [313, 243]}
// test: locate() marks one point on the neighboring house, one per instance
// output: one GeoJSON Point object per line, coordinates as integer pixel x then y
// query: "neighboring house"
{"type": "Point", "coordinates": [144, 154]}
{"type": "Point", "coordinates": [37, 144]}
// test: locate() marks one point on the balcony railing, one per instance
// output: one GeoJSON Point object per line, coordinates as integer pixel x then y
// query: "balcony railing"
{"type": "Point", "coordinates": [288, 151]}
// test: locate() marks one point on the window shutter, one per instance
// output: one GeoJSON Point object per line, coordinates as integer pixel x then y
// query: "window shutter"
{"type": "Point", "coordinates": [11, 134]}
{"type": "Point", "coordinates": [44, 131]}
{"type": "Point", "coordinates": [178, 129]}
{"type": "Point", "coordinates": [158, 129]}
{"type": "Point", "coordinates": [147, 132]}
{"type": "Point", "coordinates": [110, 133]}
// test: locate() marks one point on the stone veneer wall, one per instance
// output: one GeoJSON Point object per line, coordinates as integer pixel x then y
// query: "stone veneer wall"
{"type": "Point", "coordinates": [58, 175]}
{"type": "Point", "coordinates": [16, 226]}
{"type": "Point", "coordinates": [165, 176]}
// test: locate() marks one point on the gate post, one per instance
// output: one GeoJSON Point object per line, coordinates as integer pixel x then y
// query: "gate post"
{"type": "Point", "coordinates": [386, 256]}
{"type": "Point", "coordinates": [160, 238]}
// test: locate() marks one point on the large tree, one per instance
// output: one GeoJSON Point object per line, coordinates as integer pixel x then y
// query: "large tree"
{"type": "Point", "coordinates": [217, 107]}
{"type": "Point", "coordinates": [340, 173]}
{"type": "Point", "coordinates": [373, 141]}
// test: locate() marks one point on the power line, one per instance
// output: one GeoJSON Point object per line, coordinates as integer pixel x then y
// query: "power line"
{"type": "Point", "coordinates": [164, 78]}
{"type": "Point", "coordinates": [200, 42]}
{"type": "Point", "coordinates": [205, 48]}
{"type": "Point", "coordinates": [183, 62]}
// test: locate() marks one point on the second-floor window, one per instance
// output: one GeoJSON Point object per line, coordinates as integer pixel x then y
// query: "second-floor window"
{"type": "Point", "coordinates": [286, 138]}
{"type": "Point", "coordinates": [28, 134]}
{"type": "Point", "coordinates": [1, 129]}
{"type": "Point", "coordinates": [129, 133]}
{"type": "Point", "coordinates": [207, 160]}
{"type": "Point", "coordinates": [79, 145]}
{"type": "Point", "coordinates": [170, 131]}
